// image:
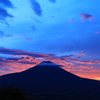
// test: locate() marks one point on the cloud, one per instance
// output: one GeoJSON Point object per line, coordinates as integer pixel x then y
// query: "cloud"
{"type": "Point", "coordinates": [12, 65]}
{"type": "Point", "coordinates": [29, 40]}
{"type": "Point", "coordinates": [3, 15]}
{"type": "Point", "coordinates": [81, 53]}
{"type": "Point", "coordinates": [52, 1]}
{"type": "Point", "coordinates": [6, 3]}
{"type": "Point", "coordinates": [35, 19]}
{"type": "Point", "coordinates": [28, 62]}
{"type": "Point", "coordinates": [20, 52]}
{"type": "Point", "coordinates": [3, 11]}
{"type": "Point", "coordinates": [36, 7]}
{"type": "Point", "coordinates": [25, 37]}
{"type": "Point", "coordinates": [3, 34]}
{"type": "Point", "coordinates": [22, 60]}
{"type": "Point", "coordinates": [88, 62]}
{"type": "Point", "coordinates": [87, 16]}
{"type": "Point", "coordinates": [33, 27]}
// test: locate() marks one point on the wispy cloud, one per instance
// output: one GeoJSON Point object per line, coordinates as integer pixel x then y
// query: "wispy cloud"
{"type": "Point", "coordinates": [3, 34]}
{"type": "Point", "coordinates": [36, 7]}
{"type": "Point", "coordinates": [4, 14]}
{"type": "Point", "coordinates": [6, 3]}
{"type": "Point", "coordinates": [29, 40]}
{"type": "Point", "coordinates": [3, 11]}
{"type": "Point", "coordinates": [25, 37]}
{"type": "Point", "coordinates": [35, 19]}
{"type": "Point", "coordinates": [33, 27]}
{"type": "Point", "coordinates": [20, 52]}
{"type": "Point", "coordinates": [82, 53]}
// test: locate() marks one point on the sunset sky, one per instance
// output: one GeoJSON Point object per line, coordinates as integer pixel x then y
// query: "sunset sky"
{"type": "Point", "coordinates": [66, 32]}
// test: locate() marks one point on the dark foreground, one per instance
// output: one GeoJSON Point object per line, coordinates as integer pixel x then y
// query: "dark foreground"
{"type": "Point", "coordinates": [12, 93]}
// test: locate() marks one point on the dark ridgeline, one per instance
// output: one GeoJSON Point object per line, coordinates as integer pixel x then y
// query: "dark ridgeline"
{"type": "Point", "coordinates": [49, 77]}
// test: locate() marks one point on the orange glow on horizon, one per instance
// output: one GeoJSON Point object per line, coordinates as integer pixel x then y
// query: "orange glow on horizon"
{"type": "Point", "coordinates": [88, 75]}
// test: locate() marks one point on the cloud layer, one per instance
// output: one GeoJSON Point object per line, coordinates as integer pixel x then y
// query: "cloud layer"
{"type": "Point", "coordinates": [22, 60]}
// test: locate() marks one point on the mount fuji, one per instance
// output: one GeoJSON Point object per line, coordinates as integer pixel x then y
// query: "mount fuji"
{"type": "Point", "coordinates": [48, 76]}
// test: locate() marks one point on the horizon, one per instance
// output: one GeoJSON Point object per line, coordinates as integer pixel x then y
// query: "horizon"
{"type": "Point", "coordinates": [64, 32]}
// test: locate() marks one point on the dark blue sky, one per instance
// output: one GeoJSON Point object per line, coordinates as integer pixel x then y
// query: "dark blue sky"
{"type": "Point", "coordinates": [64, 31]}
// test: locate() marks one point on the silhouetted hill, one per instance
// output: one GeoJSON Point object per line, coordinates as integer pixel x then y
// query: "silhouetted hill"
{"type": "Point", "coordinates": [48, 76]}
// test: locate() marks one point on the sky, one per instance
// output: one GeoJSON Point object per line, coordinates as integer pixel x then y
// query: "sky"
{"type": "Point", "coordinates": [65, 32]}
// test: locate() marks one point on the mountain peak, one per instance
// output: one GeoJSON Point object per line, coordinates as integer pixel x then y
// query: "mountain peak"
{"type": "Point", "coordinates": [48, 63]}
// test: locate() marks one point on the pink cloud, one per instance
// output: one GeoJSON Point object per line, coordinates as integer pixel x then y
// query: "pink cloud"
{"type": "Point", "coordinates": [81, 53]}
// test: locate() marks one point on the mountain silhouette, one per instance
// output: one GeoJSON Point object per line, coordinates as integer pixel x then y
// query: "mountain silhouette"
{"type": "Point", "coordinates": [48, 76]}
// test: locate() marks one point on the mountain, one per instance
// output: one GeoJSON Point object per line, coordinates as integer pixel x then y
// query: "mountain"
{"type": "Point", "coordinates": [48, 76]}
